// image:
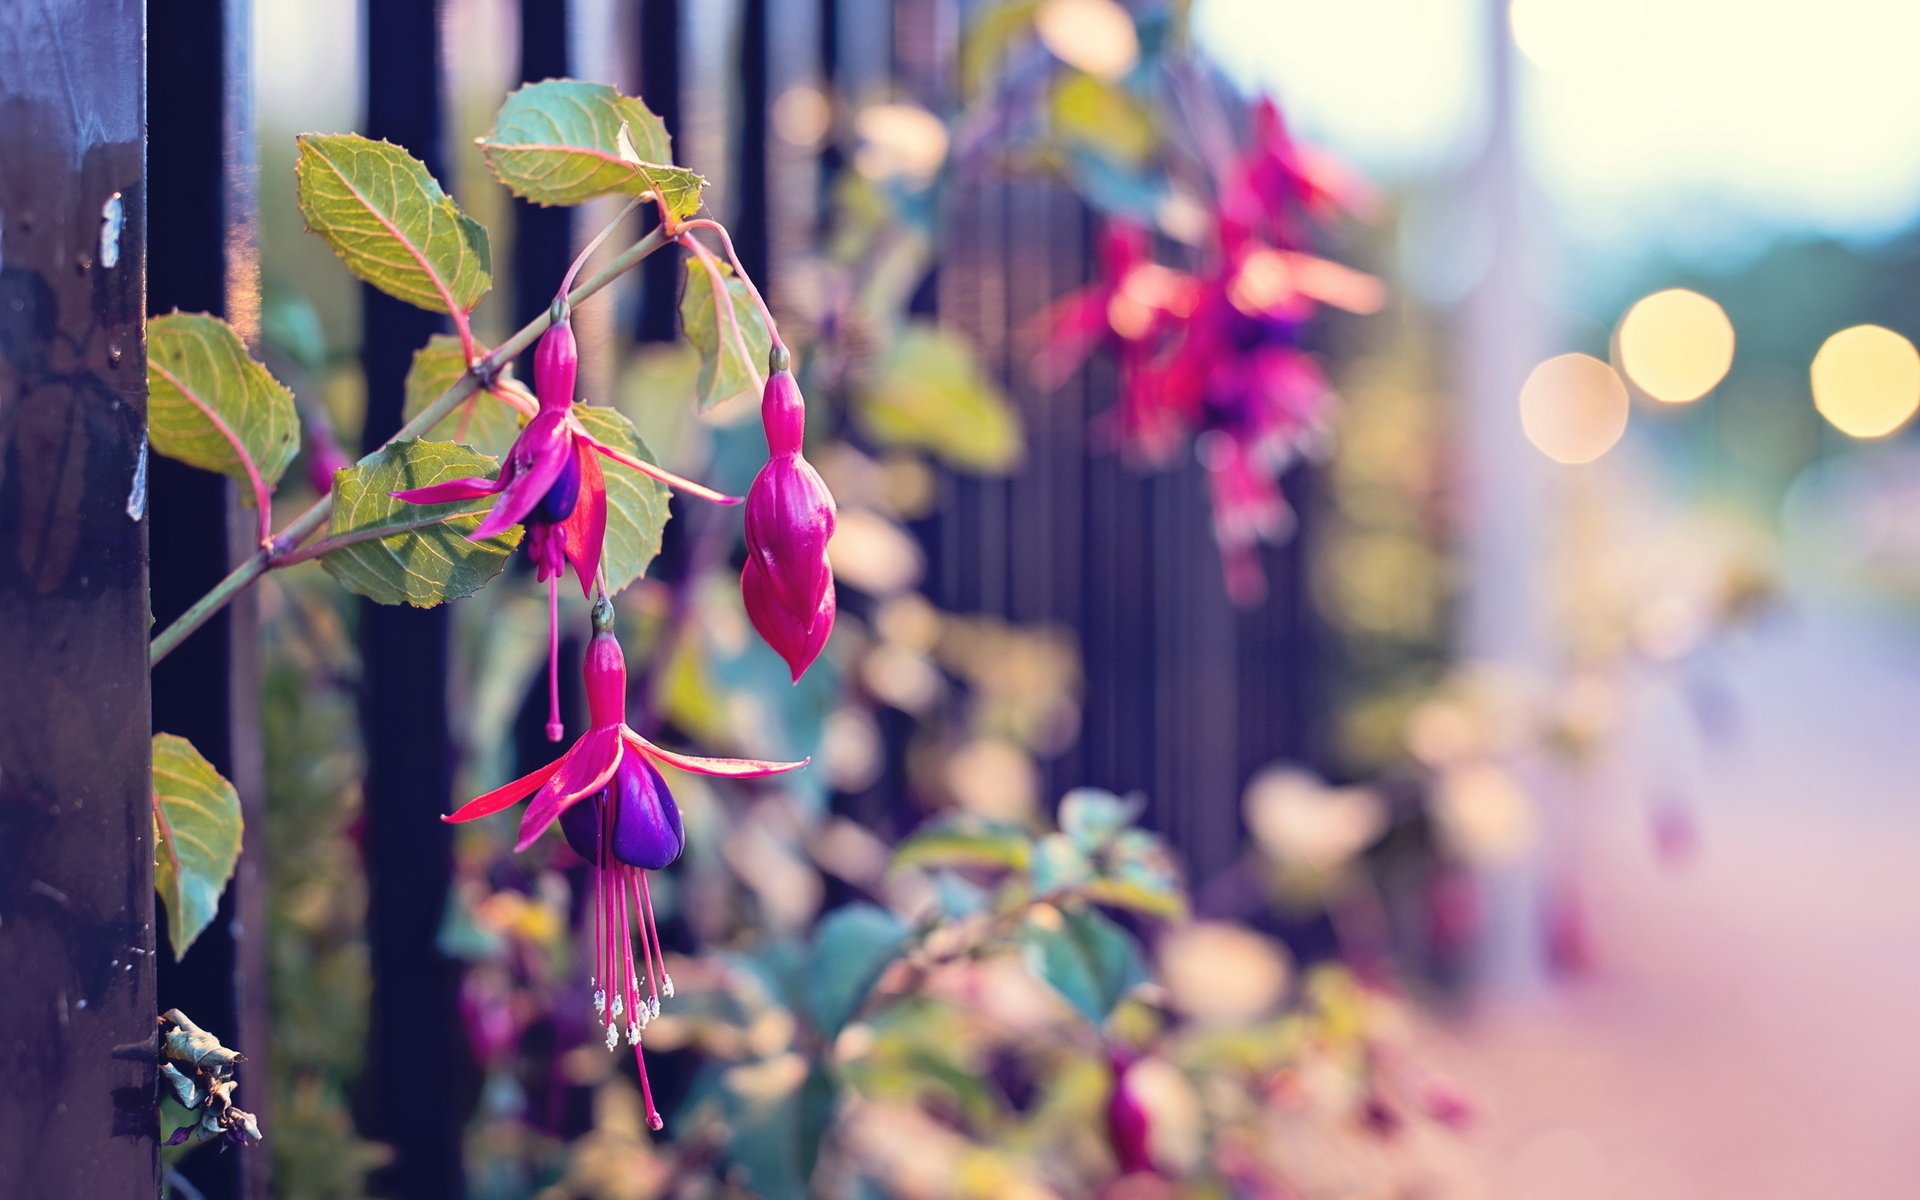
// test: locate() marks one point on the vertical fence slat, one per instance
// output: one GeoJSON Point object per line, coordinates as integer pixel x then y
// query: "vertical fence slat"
{"type": "Point", "coordinates": [76, 880]}
{"type": "Point", "coordinates": [202, 139]}
{"type": "Point", "coordinates": [418, 1082]}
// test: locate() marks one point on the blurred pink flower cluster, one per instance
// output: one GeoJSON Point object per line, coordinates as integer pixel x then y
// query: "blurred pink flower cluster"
{"type": "Point", "coordinates": [1214, 357]}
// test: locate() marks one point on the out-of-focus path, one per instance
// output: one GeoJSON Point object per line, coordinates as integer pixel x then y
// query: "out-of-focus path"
{"type": "Point", "coordinates": [1751, 1027]}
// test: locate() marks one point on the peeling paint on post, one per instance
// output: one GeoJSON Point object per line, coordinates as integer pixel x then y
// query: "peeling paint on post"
{"type": "Point", "coordinates": [76, 860]}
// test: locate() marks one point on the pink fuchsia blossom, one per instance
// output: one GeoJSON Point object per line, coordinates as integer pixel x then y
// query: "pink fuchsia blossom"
{"type": "Point", "coordinates": [1129, 1125]}
{"type": "Point", "coordinates": [787, 582]}
{"type": "Point", "coordinates": [616, 811]}
{"type": "Point", "coordinates": [552, 482]}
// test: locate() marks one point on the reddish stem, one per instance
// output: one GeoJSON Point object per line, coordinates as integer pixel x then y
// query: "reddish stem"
{"type": "Point", "coordinates": [726, 243]}
{"type": "Point", "coordinates": [723, 314]}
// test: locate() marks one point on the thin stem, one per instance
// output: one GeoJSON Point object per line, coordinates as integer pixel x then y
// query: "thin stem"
{"type": "Point", "coordinates": [726, 243]}
{"type": "Point", "coordinates": [262, 495]}
{"type": "Point", "coordinates": [352, 537]}
{"type": "Point", "coordinates": [309, 522]}
{"type": "Point", "coordinates": [593, 245]}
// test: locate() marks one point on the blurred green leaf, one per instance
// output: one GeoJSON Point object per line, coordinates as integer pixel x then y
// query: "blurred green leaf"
{"type": "Point", "coordinates": [959, 898]}
{"type": "Point", "coordinates": [950, 843]}
{"type": "Point", "coordinates": [558, 142]}
{"type": "Point", "coordinates": [1103, 117]}
{"type": "Point", "coordinates": [1085, 957]}
{"type": "Point", "coordinates": [851, 948]}
{"type": "Point", "coordinates": [427, 559]}
{"type": "Point", "coordinates": [776, 1144]}
{"type": "Point", "coordinates": [196, 837]}
{"type": "Point", "coordinates": [929, 393]}
{"type": "Point", "coordinates": [1058, 864]}
{"type": "Point", "coordinates": [1092, 817]}
{"type": "Point", "coordinates": [484, 422]}
{"type": "Point", "coordinates": [636, 505]}
{"type": "Point", "coordinates": [1136, 896]}
{"type": "Point", "coordinates": [197, 365]}
{"type": "Point", "coordinates": [729, 365]}
{"type": "Point", "coordinates": [384, 214]}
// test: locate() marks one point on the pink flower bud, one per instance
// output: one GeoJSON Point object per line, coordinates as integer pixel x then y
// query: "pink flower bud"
{"type": "Point", "coordinates": [788, 582]}
{"type": "Point", "coordinates": [605, 674]}
{"type": "Point", "coordinates": [1129, 1127]}
{"type": "Point", "coordinates": [556, 362]}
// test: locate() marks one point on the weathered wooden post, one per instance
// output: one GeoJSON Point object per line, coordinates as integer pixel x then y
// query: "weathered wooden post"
{"type": "Point", "coordinates": [76, 868]}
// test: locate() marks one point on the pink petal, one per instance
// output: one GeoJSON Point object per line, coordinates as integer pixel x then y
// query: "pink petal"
{"type": "Point", "coordinates": [538, 456]}
{"type": "Point", "coordinates": [505, 795]}
{"type": "Point", "coordinates": [590, 764]}
{"type": "Point", "coordinates": [727, 768]}
{"type": "Point", "coordinates": [451, 490]}
{"type": "Point", "coordinates": [585, 530]}
{"type": "Point", "coordinates": [664, 476]}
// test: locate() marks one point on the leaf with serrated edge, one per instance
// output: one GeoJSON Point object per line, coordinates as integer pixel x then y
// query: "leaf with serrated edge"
{"type": "Point", "coordinates": [485, 422]}
{"type": "Point", "coordinates": [636, 505]}
{"type": "Point", "coordinates": [193, 356]}
{"type": "Point", "coordinates": [724, 371]}
{"type": "Point", "coordinates": [196, 837]}
{"type": "Point", "coordinates": [389, 221]}
{"type": "Point", "coordinates": [427, 560]}
{"type": "Point", "coordinates": [559, 142]}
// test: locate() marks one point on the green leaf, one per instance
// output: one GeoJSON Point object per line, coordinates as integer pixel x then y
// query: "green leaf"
{"type": "Point", "coordinates": [486, 423]}
{"type": "Point", "coordinates": [775, 1143]}
{"type": "Point", "coordinates": [196, 362]}
{"type": "Point", "coordinates": [1092, 817]}
{"type": "Point", "coordinates": [929, 393]}
{"type": "Point", "coordinates": [560, 142]}
{"type": "Point", "coordinates": [1085, 957]}
{"type": "Point", "coordinates": [427, 558]}
{"type": "Point", "coordinates": [852, 947]}
{"type": "Point", "coordinates": [386, 217]}
{"type": "Point", "coordinates": [636, 505]}
{"type": "Point", "coordinates": [954, 844]}
{"type": "Point", "coordinates": [1058, 864]}
{"type": "Point", "coordinates": [729, 364]}
{"type": "Point", "coordinates": [1146, 897]}
{"type": "Point", "coordinates": [196, 837]}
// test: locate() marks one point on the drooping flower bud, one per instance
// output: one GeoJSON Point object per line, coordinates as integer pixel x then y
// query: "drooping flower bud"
{"type": "Point", "coordinates": [556, 360]}
{"type": "Point", "coordinates": [1129, 1127]}
{"type": "Point", "coordinates": [787, 582]}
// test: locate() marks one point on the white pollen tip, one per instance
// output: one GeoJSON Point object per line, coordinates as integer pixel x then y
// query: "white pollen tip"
{"type": "Point", "coordinates": [666, 985]}
{"type": "Point", "coordinates": [613, 1037]}
{"type": "Point", "coordinates": [619, 1007]}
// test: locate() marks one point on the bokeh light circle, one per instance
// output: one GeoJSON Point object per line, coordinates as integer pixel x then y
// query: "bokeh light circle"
{"type": "Point", "coordinates": [1573, 408]}
{"type": "Point", "coordinates": [1866, 381]}
{"type": "Point", "coordinates": [1676, 345]}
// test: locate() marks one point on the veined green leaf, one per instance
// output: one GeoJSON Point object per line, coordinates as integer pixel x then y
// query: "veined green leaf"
{"type": "Point", "coordinates": [560, 142]}
{"type": "Point", "coordinates": [386, 217]}
{"type": "Point", "coordinates": [729, 364]}
{"type": "Point", "coordinates": [426, 559]}
{"type": "Point", "coordinates": [482, 421]}
{"type": "Point", "coordinates": [636, 505]}
{"type": "Point", "coordinates": [1085, 957]}
{"type": "Point", "coordinates": [930, 394]}
{"type": "Point", "coordinates": [197, 371]}
{"type": "Point", "coordinates": [196, 837]}
{"type": "Point", "coordinates": [852, 947]}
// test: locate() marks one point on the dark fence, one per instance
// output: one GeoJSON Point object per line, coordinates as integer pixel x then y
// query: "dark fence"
{"type": "Point", "coordinates": [1185, 696]}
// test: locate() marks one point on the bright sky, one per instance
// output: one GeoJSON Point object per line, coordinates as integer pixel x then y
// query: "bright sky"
{"type": "Point", "coordinates": [1669, 120]}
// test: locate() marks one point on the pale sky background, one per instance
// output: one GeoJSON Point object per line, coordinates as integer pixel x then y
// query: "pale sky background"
{"type": "Point", "coordinates": [1695, 125]}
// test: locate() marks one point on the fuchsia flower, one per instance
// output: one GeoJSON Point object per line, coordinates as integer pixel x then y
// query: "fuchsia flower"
{"type": "Point", "coordinates": [616, 811]}
{"type": "Point", "coordinates": [551, 481]}
{"type": "Point", "coordinates": [1129, 1125]}
{"type": "Point", "coordinates": [787, 582]}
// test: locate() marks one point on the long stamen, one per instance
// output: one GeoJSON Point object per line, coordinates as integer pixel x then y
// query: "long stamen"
{"type": "Point", "coordinates": [555, 730]}
{"type": "Point", "coordinates": [648, 950]}
{"type": "Point", "coordinates": [666, 980]}
{"type": "Point", "coordinates": [637, 1016]}
{"type": "Point", "coordinates": [646, 1090]}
